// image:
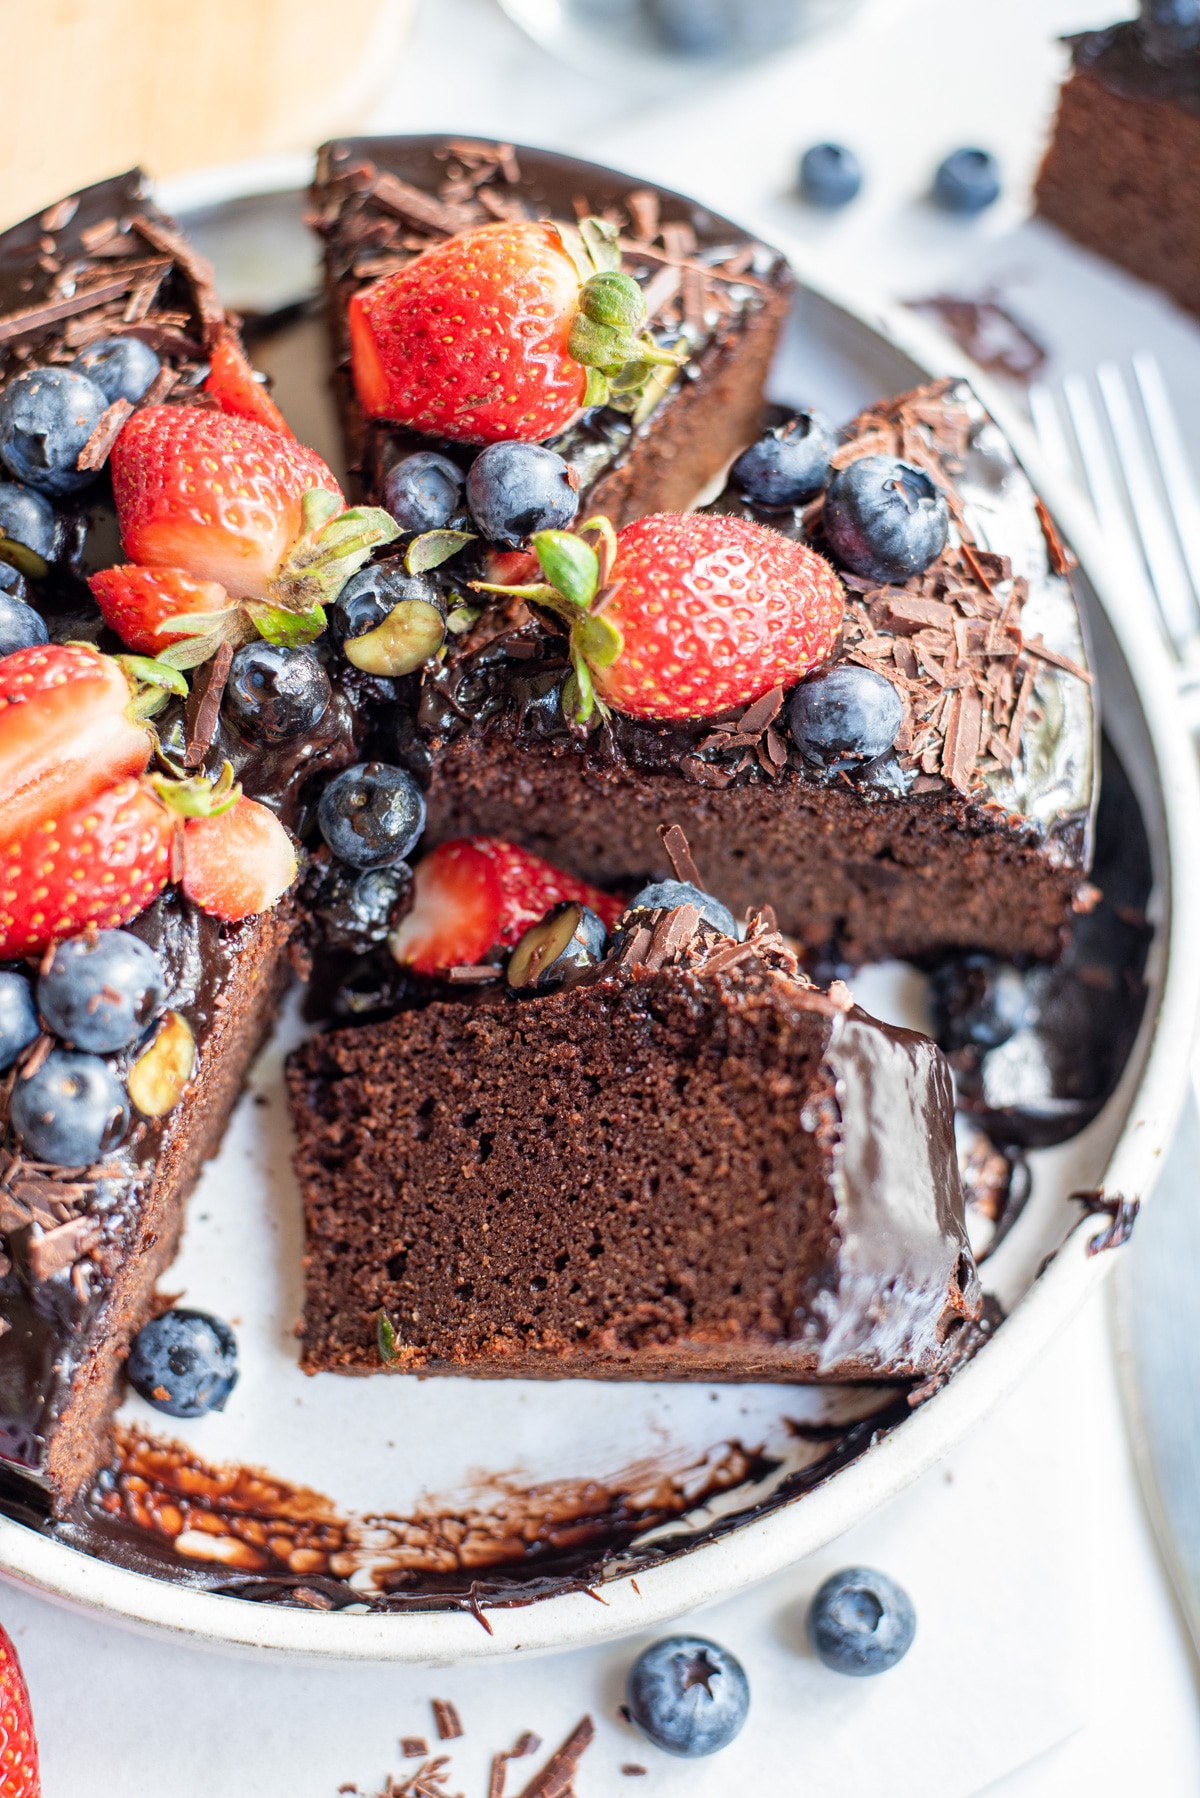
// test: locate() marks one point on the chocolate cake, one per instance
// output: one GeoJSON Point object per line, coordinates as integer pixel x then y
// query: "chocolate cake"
{"type": "Point", "coordinates": [378, 202]}
{"type": "Point", "coordinates": [692, 1164]}
{"type": "Point", "coordinates": [1122, 172]}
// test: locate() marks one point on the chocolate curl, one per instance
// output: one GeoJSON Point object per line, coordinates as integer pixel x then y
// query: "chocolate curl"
{"type": "Point", "coordinates": [679, 855]}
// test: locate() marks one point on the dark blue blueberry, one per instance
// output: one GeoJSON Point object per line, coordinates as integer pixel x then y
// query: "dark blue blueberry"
{"type": "Point", "coordinates": [423, 492]}
{"type": "Point", "coordinates": [669, 893]}
{"type": "Point", "coordinates": [845, 710]}
{"type": "Point", "coordinates": [515, 489]}
{"type": "Point", "coordinates": [1170, 29]}
{"type": "Point", "coordinates": [830, 175]}
{"type": "Point", "coordinates": [690, 1696]}
{"type": "Point", "coordinates": [789, 464]}
{"type": "Point", "coordinates": [372, 815]}
{"type": "Point", "coordinates": [184, 1363]}
{"type": "Point", "coordinates": [356, 911]}
{"type": "Point", "coordinates": [46, 417]}
{"type": "Point", "coordinates": [72, 1111]}
{"type": "Point", "coordinates": [861, 1622]}
{"type": "Point", "coordinates": [371, 594]}
{"type": "Point", "coordinates": [123, 368]}
{"type": "Point", "coordinates": [967, 181]}
{"type": "Point", "coordinates": [28, 517]}
{"type": "Point", "coordinates": [568, 941]}
{"type": "Point", "coordinates": [100, 991]}
{"type": "Point", "coordinates": [18, 1018]}
{"type": "Point", "coordinates": [20, 626]}
{"type": "Point", "coordinates": [885, 519]}
{"type": "Point", "coordinates": [274, 693]}
{"type": "Point", "coordinates": [977, 1002]}
{"type": "Point", "coordinates": [11, 581]}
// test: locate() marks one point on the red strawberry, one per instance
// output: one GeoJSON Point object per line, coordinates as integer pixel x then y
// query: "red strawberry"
{"type": "Point", "coordinates": [475, 893]}
{"type": "Point", "coordinates": [232, 384]}
{"type": "Point", "coordinates": [99, 860]}
{"type": "Point", "coordinates": [139, 602]}
{"type": "Point", "coordinates": [66, 733]}
{"type": "Point", "coordinates": [214, 495]}
{"type": "Point", "coordinates": [18, 1745]}
{"type": "Point", "coordinates": [238, 862]}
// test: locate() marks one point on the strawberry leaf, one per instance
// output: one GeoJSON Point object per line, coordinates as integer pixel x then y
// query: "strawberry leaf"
{"type": "Point", "coordinates": [603, 243]}
{"type": "Point", "coordinates": [432, 548]}
{"type": "Point", "coordinates": [570, 565]}
{"type": "Point", "coordinates": [198, 796]}
{"type": "Point", "coordinates": [323, 558]}
{"type": "Point", "coordinates": [282, 625]}
{"type": "Point", "coordinates": [385, 1336]}
{"type": "Point", "coordinates": [597, 641]}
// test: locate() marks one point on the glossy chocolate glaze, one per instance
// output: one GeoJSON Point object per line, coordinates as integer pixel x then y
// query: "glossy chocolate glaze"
{"type": "Point", "coordinates": [1122, 60]}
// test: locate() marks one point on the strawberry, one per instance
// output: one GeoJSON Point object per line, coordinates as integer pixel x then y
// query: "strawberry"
{"type": "Point", "coordinates": [99, 860]}
{"type": "Point", "coordinates": [232, 384]}
{"type": "Point", "coordinates": [479, 893]}
{"type": "Point", "coordinates": [18, 1745]}
{"type": "Point", "coordinates": [501, 333]}
{"type": "Point", "coordinates": [684, 616]}
{"type": "Point", "coordinates": [238, 861]}
{"type": "Point", "coordinates": [138, 603]}
{"type": "Point", "coordinates": [67, 730]}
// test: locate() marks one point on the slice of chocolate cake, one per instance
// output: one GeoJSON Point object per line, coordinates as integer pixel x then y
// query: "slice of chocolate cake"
{"type": "Point", "coordinates": [711, 290]}
{"type": "Point", "coordinates": [693, 1164]}
{"type": "Point", "coordinates": [1122, 172]}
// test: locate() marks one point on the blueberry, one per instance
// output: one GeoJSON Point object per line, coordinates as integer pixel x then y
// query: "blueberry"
{"type": "Point", "coordinates": [830, 175]}
{"type": "Point", "coordinates": [356, 911]}
{"type": "Point", "coordinates": [411, 607]}
{"type": "Point", "coordinates": [423, 492]}
{"type": "Point", "coordinates": [693, 27]}
{"type": "Point", "coordinates": [568, 941]}
{"type": "Point", "coordinates": [1170, 29]}
{"type": "Point", "coordinates": [861, 1622]}
{"type": "Point", "coordinates": [71, 1111]}
{"type": "Point", "coordinates": [46, 417]}
{"type": "Point", "coordinates": [184, 1363]}
{"type": "Point", "coordinates": [515, 489]}
{"type": "Point", "coordinates": [845, 710]}
{"type": "Point", "coordinates": [28, 518]}
{"type": "Point", "coordinates": [123, 368]}
{"type": "Point", "coordinates": [967, 181]}
{"type": "Point", "coordinates": [885, 519]}
{"type": "Point", "coordinates": [101, 990]}
{"type": "Point", "coordinates": [690, 1696]}
{"type": "Point", "coordinates": [372, 815]}
{"type": "Point", "coordinates": [18, 1017]}
{"type": "Point", "coordinates": [977, 1002]}
{"type": "Point", "coordinates": [274, 693]}
{"type": "Point", "coordinates": [669, 893]}
{"type": "Point", "coordinates": [788, 465]}
{"type": "Point", "coordinates": [20, 626]}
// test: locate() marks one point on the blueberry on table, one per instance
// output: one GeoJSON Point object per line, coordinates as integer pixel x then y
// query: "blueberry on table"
{"type": "Point", "coordinates": [885, 519]}
{"type": "Point", "coordinates": [977, 1001]}
{"type": "Point", "coordinates": [184, 1363]}
{"type": "Point", "coordinates": [967, 181]}
{"type": "Point", "coordinates": [46, 417]}
{"type": "Point", "coordinates": [274, 693]}
{"type": "Point", "coordinates": [423, 492]}
{"type": "Point", "coordinates": [372, 815]}
{"type": "Point", "coordinates": [515, 489]}
{"type": "Point", "coordinates": [789, 464]}
{"type": "Point", "coordinates": [18, 1017]}
{"type": "Point", "coordinates": [20, 626]}
{"type": "Point", "coordinates": [123, 368]}
{"type": "Point", "coordinates": [861, 1622]}
{"type": "Point", "coordinates": [688, 1695]}
{"type": "Point", "coordinates": [844, 711]}
{"type": "Point", "coordinates": [568, 941]}
{"type": "Point", "coordinates": [27, 517]}
{"type": "Point", "coordinates": [71, 1111]}
{"type": "Point", "coordinates": [101, 990]}
{"type": "Point", "coordinates": [389, 622]}
{"type": "Point", "coordinates": [830, 175]}
{"type": "Point", "coordinates": [666, 894]}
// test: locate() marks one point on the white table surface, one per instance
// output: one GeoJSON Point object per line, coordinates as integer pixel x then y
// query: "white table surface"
{"type": "Point", "coordinates": [1050, 1658]}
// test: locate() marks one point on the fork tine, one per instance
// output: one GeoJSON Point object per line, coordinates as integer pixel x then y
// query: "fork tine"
{"type": "Point", "coordinates": [1168, 574]}
{"type": "Point", "coordinates": [1176, 470]}
{"type": "Point", "coordinates": [1048, 425]}
{"type": "Point", "coordinates": [1101, 478]}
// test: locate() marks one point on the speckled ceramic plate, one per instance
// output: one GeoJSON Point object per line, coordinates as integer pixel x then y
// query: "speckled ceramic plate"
{"type": "Point", "coordinates": [706, 1488]}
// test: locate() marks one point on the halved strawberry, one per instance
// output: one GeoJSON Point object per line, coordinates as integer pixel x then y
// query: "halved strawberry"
{"type": "Point", "coordinates": [138, 603]}
{"type": "Point", "coordinates": [101, 861]}
{"type": "Point", "coordinates": [19, 1777]}
{"type": "Point", "coordinates": [237, 862]}
{"type": "Point", "coordinates": [232, 384]}
{"type": "Point", "coordinates": [66, 732]}
{"type": "Point", "coordinates": [478, 893]}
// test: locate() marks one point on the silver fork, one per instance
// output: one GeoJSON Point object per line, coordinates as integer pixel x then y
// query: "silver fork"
{"type": "Point", "coordinates": [1117, 436]}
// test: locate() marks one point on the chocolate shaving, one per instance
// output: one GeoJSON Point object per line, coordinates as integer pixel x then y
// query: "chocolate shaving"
{"type": "Point", "coordinates": [961, 746]}
{"type": "Point", "coordinates": [96, 450]}
{"type": "Point", "coordinates": [679, 855]}
{"type": "Point", "coordinates": [526, 1743]}
{"type": "Point", "coordinates": [1037, 648]}
{"type": "Point", "coordinates": [764, 711]}
{"type": "Point", "coordinates": [60, 214]}
{"type": "Point", "coordinates": [1122, 1215]}
{"type": "Point", "coordinates": [49, 312]}
{"type": "Point", "coordinates": [36, 1056]}
{"type": "Point", "coordinates": [417, 208]}
{"type": "Point", "coordinates": [197, 269]}
{"type": "Point", "coordinates": [643, 210]}
{"type": "Point", "coordinates": [58, 1248]}
{"type": "Point", "coordinates": [660, 290]}
{"type": "Point", "coordinates": [905, 614]}
{"type": "Point", "coordinates": [1059, 556]}
{"type": "Point", "coordinates": [557, 1776]}
{"type": "Point", "coordinates": [477, 974]}
{"type": "Point", "coordinates": [161, 386]}
{"type": "Point", "coordinates": [634, 948]}
{"type": "Point", "coordinates": [446, 1719]}
{"type": "Point", "coordinates": [673, 932]}
{"type": "Point", "coordinates": [204, 702]}
{"type": "Point", "coordinates": [706, 774]}
{"type": "Point", "coordinates": [412, 1747]}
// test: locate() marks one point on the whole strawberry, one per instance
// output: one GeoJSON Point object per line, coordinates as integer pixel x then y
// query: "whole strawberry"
{"type": "Point", "coordinates": [685, 616]}
{"type": "Point", "coordinates": [19, 1777]}
{"type": "Point", "coordinates": [501, 333]}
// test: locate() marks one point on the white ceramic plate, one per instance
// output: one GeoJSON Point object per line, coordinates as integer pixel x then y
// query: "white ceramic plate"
{"type": "Point", "coordinates": [403, 1447]}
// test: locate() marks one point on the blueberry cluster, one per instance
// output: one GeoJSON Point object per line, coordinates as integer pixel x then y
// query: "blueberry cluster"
{"type": "Point", "coordinates": [966, 181]}
{"type": "Point", "coordinates": [48, 414]}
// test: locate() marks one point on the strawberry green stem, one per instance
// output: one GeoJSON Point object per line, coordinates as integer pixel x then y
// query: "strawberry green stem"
{"type": "Point", "coordinates": [332, 546]}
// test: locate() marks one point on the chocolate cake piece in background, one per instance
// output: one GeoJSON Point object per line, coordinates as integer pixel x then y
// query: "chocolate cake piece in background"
{"type": "Point", "coordinates": [379, 201]}
{"type": "Point", "coordinates": [692, 1165]}
{"type": "Point", "coordinates": [974, 831]}
{"type": "Point", "coordinates": [1122, 172]}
